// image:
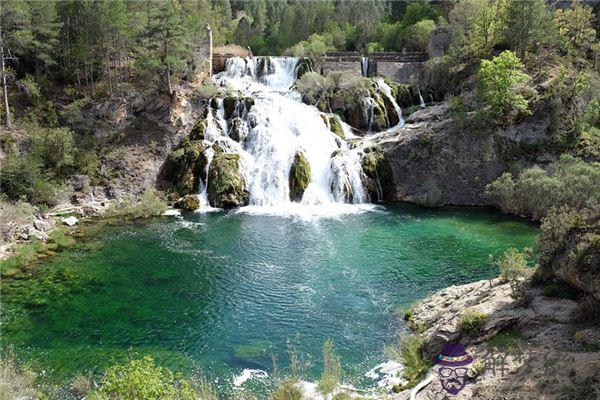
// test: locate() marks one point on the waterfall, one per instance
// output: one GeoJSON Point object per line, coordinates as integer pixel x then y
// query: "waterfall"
{"type": "Point", "coordinates": [387, 91]}
{"type": "Point", "coordinates": [364, 64]}
{"type": "Point", "coordinates": [421, 101]}
{"type": "Point", "coordinates": [268, 135]}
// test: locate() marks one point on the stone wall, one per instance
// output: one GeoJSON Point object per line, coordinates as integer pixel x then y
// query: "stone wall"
{"type": "Point", "coordinates": [348, 62]}
{"type": "Point", "coordinates": [401, 72]}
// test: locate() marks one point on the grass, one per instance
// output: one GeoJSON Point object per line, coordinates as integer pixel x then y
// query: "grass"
{"type": "Point", "coordinates": [287, 390]}
{"type": "Point", "coordinates": [559, 291]}
{"type": "Point", "coordinates": [410, 353]}
{"type": "Point", "coordinates": [332, 369]}
{"type": "Point", "coordinates": [509, 340]}
{"type": "Point", "coordinates": [472, 321]}
{"type": "Point", "coordinates": [16, 381]}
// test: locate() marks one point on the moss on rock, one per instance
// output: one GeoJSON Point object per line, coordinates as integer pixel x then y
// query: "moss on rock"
{"type": "Point", "coordinates": [197, 132]}
{"type": "Point", "coordinates": [189, 202]}
{"type": "Point", "coordinates": [226, 185]}
{"type": "Point", "coordinates": [185, 165]}
{"type": "Point", "coordinates": [299, 176]}
{"type": "Point", "coordinates": [335, 126]}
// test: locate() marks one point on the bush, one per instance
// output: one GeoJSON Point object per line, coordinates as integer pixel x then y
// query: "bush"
{"type": "Point", "coordinates": [555, 227]}
{"type": "Point", "coordinates": [501, 79]}
{"type": "Point", "coordinates": [149, 204]}
{"type": "Point", "coordinates": [567, 182]}
{"type": "Point", "coordinates": [141, 379]}
{"type": "Point", "coordinates": [410, 354]}
{"type": "Point", "coordinates": [472, 322]}
{"type": "Point", "coordinates": [287, 390]}
{"type": "Point", "coordinates": [16, 381]}
{"type": "Point", "coordinates": [313, 87]}
{"type": "Point", "coordinates": [332, 369]}
{"type": "Point", "coordinates": [315, 46]}
{"type": "Point", "coordinates": [559, 291]}
{"type": "Point", "coordinates": [21, 178]}
{"type": "Point", "coordinates": [418, 35]}
{"type": "Point", "coordinates": [513, 265]}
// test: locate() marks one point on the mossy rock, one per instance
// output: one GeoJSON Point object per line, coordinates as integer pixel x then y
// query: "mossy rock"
{"type": "Point", "coordinates": [189, 202]}
{"type": "Point", "coordinates": [335, 126]}
{"type": "Point", "coordinates": [235, 131]}
{"type": "Point", "coordinates": [229, 104]}
{"type": "Point", "coordinates": [322, 105]}
{"type": "Point", "coordinates": [185, 166]}
{"type": "Point", "coordinates": [299, 176]}
{"type": "Point", "coordinates": [303, 66]}
{"type": "Point", "coordinates": [371, 161]}
{"type": "Point", "coordinates": [226, 185]}
{"type": "Point", "coordinates": [197, 132]}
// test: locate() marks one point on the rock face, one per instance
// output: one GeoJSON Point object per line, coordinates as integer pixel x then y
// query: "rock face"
{"type": "Point", "coordinates": [513, 343]}
{"type": "Point", "coordinates": [576, 260]}
{"type": "Point", "coordinates": [299, 177]}
{"type": "Point", "coordinates": [226, 186]}
{"type": "Point", "coordinates": [185, 166]}
{"type": "Point", "coordinates": [436, 160]}
{"type": "Point", "coordinates": [189, 202]}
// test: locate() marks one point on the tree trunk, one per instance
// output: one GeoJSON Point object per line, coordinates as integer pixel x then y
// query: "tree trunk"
{"type": "Point", "coordinates": [4, 87]}
{"type": "Point", "coordinates": [169, 78]}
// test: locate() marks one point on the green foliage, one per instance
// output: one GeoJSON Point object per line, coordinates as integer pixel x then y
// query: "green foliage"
{"type": "Point", "coordinates": [332, 369]}
{"type": "Point", "coordinates": [314, 86]}
{"type": "Point", "coordinates": [287, 390]}
{"type": "Point", "coordinates": [472, 322]}
{"type": "Point", "coordinates": [418, 35]}
{"type": "Point", "coordinates": [513, 265]}
{"type": "Point", "coordinates": [21, 178]}
{"type": "Point", "coordinates": [508, 340]}
{"type": "Point", "coordinates": [142, 379]}
{"type": "Point", "coordinates": [568, 181]}
{"type": "Point", "coordinates": [479, 24]}
{"type": "Point", "coordinates": [559, 290]}
{"type": "Point", "coordinates": [149, 204]}
{"type": "Point", "coordinates": [527, 23]}
{"type": "Point", "coordinates": [315, 46]}
{"type": "Point", "coordinates": [411, 355]}
{"type": "Point", "coordinates": [576, 28]}
{"type": "Point", "coordinates": [501, 79]}
{"type": "Point", "coordinates": [554, 229]}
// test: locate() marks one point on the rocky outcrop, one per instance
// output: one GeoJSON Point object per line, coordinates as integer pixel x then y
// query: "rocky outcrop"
{"type": "Point", "coordinates": [189, 202]}
{"type": "Point", "coordinates": [512, 342]}
{"type": "Point", "coordinates": [575, 258]}
{"type": "Point", "coordinates": [226, 185]}
{"type": "Point", "coordinates": [299, 176]}
{"type": "Point", "coordinates": [186, 166]}
{"type": "Point", "coordinates": [438, 158]}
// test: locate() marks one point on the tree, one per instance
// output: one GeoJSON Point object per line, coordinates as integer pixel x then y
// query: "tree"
{"type": "Point", "coordinates": [500, 81]}
{"type": "Point", "coordinates": [482, 23]}
{"type": "Point", "coordinates": [526, 22]}
{"type": "Point", "coordinates": [575, 28]}
{"type": "Point", "coordinates": [166, 30]}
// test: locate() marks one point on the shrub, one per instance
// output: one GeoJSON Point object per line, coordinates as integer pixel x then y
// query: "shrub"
{"type": "Point", "coordinates": [559, 291]}
{"type": "Point", "coordinates": [55, 146]}
{"type": "Point", "coordinates": [418, 35]}
{"type": "Point", "coordinates": [568, 181]}
{"type": "Point", "coordinates": [81, 385]}
{"type": "Point", "coordinates": [16, 381]}
{"type": "Point", "coordinates": [313, 86]}
{"type": "Point", "coordinates": [315, 46]}
{"type": "Point", "coordinates": [513, 265]}
{"type": "Point", "coordinates": [472, 322]}
{"type": "Point", "coordinates": [21, 178]}
{"type": "Point", "coordinates": [555, 227]}
{"type": "Point", "coordinates": [287, 390]}
{"type": "Point", "coordinates": [332, 369]}
{"type": "Point", "coordinates": [411, 356]}
{"type": "Point", "coordinates": [149, 204]}
{"type": "Point", "coordinates": [501, 79]}
{"type": "Point", "coordinates": [141, 379]}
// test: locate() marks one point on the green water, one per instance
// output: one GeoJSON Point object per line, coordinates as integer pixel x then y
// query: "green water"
{"type": "Point", "coordinates": [225, 291]}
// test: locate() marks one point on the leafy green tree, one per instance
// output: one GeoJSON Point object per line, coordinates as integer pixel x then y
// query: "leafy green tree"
{"type": "Point", "coordinates": [481, 21]}
{"type": "Point", "coordinates": [575, 27]}
{"type": "Point", "coordinates": [527, 22]}
{"type": "Point", "coordinates": [501, 79]}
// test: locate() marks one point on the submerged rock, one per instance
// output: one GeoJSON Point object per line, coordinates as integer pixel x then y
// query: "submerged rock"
{"type": "Point", "coordinates": [299, 177]}
{"type": "Point", "coordinates": [226, 186]}
{"type": "Point", "coordinates": [189, 202]}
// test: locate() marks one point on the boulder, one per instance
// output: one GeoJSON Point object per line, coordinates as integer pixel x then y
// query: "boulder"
{"type": "Point", "coordinates": [189, 202]}
{"type": "Point", "coordinates": [185, 166]}
{"type": "Point", "coordinates": [226, 185]}
{"type": "Point", "coordinates": [236, 130]}
{"type": "Point", "coordinates": [299, 176]}
{"type": "Point", "coordinates": [70, 221]}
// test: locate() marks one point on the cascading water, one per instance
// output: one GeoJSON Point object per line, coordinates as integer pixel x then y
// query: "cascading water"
{"type": "Point", "coordinates": [364, 65]}
{"type": "Point", "coordinates": [270, 134]}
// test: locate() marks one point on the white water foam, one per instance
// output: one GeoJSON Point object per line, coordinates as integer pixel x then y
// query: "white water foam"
{"type": "Point", "coordinates": [248, 374]}
{"type": "Point", "coordinates": [275, 129]}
